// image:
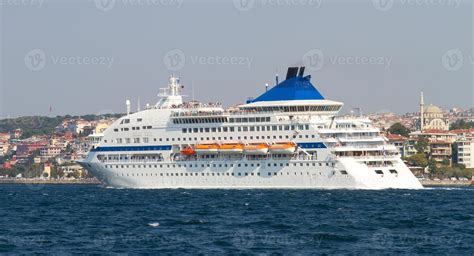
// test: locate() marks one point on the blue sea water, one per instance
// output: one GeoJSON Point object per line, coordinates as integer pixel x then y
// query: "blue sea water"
{"type": "Point", "coordinates": [65, 219]}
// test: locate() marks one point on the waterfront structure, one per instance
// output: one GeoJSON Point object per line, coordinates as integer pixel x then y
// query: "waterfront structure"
{"type": "Point", "coordinates": [289, 137]}
{"type": "Point", "coordinates": [465, 151]}
{"type": "Point", "coordinates": [465, 147]}
{"type": "Point", "coordinates": [440, 151]}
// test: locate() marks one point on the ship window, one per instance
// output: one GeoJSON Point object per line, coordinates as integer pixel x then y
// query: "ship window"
{"type": "Point", "coordinates": [393, 171]}
{"type": "Point", "coordinates": [213, 129]}
{"type": "Point", "coordinates": [343, 172]}
{"type": "Point", "coordinates": [184, 130]}
{"type": "Point", "coordinates": [269, 174]}
{"type": "Point", "coordinates": [379, 172]}
{"type": "Point", "coordinates": [274, 128]}
{"type": "Point", "coordinates": [207, 129]}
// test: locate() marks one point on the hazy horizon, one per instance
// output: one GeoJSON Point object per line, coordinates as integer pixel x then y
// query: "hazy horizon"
{"type": "Point", "coordinates": [89, 57]}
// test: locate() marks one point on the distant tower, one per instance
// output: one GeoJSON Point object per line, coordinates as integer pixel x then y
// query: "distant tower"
{"type": "Point", "coordinates": [422, 111]}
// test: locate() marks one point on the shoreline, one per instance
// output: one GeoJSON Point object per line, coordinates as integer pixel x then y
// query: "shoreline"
{"type": "Point", "coordinates": [50, 182]}
{"type": "Point", "coordinates": [447, 183]}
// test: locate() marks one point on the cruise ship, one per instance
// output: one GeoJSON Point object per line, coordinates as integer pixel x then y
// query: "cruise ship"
{"type": "Point", "coordinates": [287, 138]}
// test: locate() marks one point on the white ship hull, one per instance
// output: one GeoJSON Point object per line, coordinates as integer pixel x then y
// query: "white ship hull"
{"type": "Point", "coordinates": [321, 175]}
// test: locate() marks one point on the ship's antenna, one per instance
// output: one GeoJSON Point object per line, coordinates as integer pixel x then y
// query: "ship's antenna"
{"type": "Point", "coordinates": [138, 107]}
{"type": "Point", "coordinates": [276, 78]}
{"type": "Point", "coordinates": [127, 103]}
{"type": "Point", "coordinates": [266, 87]}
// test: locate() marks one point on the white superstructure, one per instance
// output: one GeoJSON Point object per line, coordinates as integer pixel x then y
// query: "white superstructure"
{"type": "Point", "coordinates": [288, 137]}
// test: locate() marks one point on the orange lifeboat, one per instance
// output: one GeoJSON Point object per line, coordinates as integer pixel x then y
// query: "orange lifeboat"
{"type": "Point", "coordinates": [283, 148]}
{"type": "Point", "coordinates": [206, 149]}
{"type": "Point", "coordinates": [231, 148]}
{"type": "Point", "coordinates": [256, 149]}
{"type": "Point", "coordinates": [188, 151]}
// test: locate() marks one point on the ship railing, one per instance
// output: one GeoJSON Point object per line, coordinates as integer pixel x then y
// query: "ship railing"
{"type": "Point", "coordinates": [388, 156]}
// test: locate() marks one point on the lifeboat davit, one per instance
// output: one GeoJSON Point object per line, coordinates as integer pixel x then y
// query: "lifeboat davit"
{"type": "Point", "coordinates": [283, 148]}
{"type": "Point", "coordinates": [256, 149]}
{"type": "Point", "coordinates": [231, 148]}
{"type": "Point", "coordinates": [206, 149]}
{"type": "Point", "coordinates": [188, 151]}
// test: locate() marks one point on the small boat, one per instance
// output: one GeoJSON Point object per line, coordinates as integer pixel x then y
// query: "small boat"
{"type": "Point", "coordinates": [188, 151]}
{"type": "Point", "coordinates": [231, 148]}
{"type": "Point", "coordinates": [206, 149]}
{"type": "Point", "coordinates": [256, 149]}
{"type": "Point", "coordinates": [283, 148]}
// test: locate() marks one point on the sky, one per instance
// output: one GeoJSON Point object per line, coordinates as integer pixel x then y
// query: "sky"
{"type": "Point", "coordinates": [87, 57]}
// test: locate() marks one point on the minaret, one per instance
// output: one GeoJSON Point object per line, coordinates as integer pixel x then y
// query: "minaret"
{"type": "Point", "coordinates": [422, 110]}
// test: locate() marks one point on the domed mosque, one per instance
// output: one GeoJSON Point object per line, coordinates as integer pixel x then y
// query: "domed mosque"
{"type": "Point", "coordinates": [431, 117]}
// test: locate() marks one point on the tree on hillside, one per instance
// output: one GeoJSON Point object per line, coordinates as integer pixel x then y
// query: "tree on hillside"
{"type": "Point", "coordinates": [418, 159]}
{"type": "Point", "coordinates": [400, 129]}
{"type": "Point", "coordinates": [461, 124]}
{"type": "Point", "coordinates": [421, 145]}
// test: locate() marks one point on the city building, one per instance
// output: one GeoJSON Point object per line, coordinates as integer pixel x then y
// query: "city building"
{"type": "Point", "coordinates": [50, 151]}
{"type": "Point", "coordinates": [441, 151]}
{"type": "Point", "coordinates": [405, 145]}
{"type": "Point", "coordinates": [4, 147]}
{"type": "Point", "coordinates": [435, 135]}
{"type": "Point", "coordinates": [465, 151]}
{"type": "Point", "coordinates": [431, 118]}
